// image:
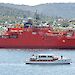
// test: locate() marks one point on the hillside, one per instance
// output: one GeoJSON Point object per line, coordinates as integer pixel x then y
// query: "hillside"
{"type": "Point", "coordinates": [12, 10]}
{"type": "Point", "coordinates": [66, 10]}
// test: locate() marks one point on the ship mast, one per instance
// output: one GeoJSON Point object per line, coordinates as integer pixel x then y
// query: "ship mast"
{"type": "Point", "coordinates": [37, 21]}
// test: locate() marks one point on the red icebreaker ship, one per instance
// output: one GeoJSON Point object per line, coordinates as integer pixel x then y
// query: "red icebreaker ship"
{"type": "Point", "coordinates": [39, 38]}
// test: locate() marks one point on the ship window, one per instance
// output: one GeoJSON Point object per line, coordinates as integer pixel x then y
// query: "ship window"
{"type": "Point", "coordinates": [0, 36]}
{"type": "Point", "coordinates": [13, 36]}
{"type": "Point", "coordinates": [50, 56]}
{"type": "Point", "coordinates": [34, 33]}
{"type": "Point", "coordinates": [43, 56]}
{"type": "Point", "coordinates": [4, 36]}
{"type": "Point", "coordinates": [39, 56]}
{"type": "Point", "coordinates": [69, 34]}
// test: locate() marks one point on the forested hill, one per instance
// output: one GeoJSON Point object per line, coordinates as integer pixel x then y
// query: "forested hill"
{"type": "Point", "coordinates": [49, 9]}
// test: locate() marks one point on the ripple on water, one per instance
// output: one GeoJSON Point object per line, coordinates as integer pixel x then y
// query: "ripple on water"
{"type": "Point", "coordinates": [12, 62]}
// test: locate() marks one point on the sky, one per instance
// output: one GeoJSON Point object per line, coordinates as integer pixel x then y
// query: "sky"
{"type": "Point", "coordinates": [35, 2]}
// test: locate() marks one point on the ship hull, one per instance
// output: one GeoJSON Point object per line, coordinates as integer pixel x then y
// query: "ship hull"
{"type": "Point", "coordinates": [30, 40]}
{"type": "Point", "coordinates": [55, 43]}
{"type": "Point", "coordinates": [63, 61]}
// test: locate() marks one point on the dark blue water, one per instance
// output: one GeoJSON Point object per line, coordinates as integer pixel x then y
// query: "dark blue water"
{"type": "Point", "coordinates": [12, 63]}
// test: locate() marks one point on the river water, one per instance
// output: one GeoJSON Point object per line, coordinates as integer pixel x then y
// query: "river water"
{"type": "Point", "coordinates": [12, 62]}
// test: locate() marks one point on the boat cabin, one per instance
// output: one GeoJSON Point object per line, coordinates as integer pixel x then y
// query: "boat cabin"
{"type": "Point", "coordinates": [43, 57]}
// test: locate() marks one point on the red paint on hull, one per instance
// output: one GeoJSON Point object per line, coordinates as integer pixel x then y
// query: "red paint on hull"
{"type": "Point", "coordinates": [37, 39]}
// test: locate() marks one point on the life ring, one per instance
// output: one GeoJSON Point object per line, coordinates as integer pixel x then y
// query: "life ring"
{"type": "Point", "coordinates": [63, 41]}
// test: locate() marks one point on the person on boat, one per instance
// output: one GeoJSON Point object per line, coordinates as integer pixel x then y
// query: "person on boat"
{"type": "Point", "coordinates": [33, 55]}
{"type": "Point", "coordinates": [61, 57]}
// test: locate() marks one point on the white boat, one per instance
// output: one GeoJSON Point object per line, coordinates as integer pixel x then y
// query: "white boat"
{"type": "Point", "coordinates": [47, 59]}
